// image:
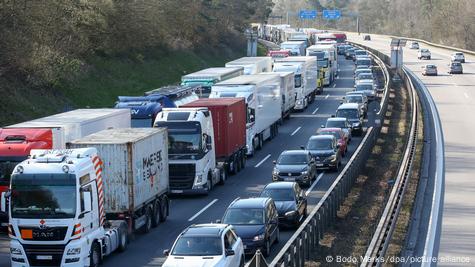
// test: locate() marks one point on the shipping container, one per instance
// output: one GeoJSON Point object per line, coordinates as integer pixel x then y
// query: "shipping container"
{"type": "Point", "coordinates": [135, 166]}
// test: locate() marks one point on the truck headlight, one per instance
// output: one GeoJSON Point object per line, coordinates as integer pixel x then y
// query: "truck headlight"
{"type": "Point", "coordinates": [15, 251]}
{"type": "Point", "coordinates": [258, 237]}
{"type": "Point", "coordinates": [73, 251]}
{"type": "Point", "coordinates": [199, 179]}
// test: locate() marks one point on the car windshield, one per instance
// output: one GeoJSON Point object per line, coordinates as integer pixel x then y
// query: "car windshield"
{"type": "Point", "coordinates": [363, 87]}
{"type": "Point", "coordinates": [335, 124]}
{"type": "Point", "coordinates": [45, 195]}
{"type": "Point", "coordinates": [319, 144]}
{"type": "Point", "coordinates": [365, 62]}
{"type": "Point", "coordinates": [360, 53]}
{"type": "Point", "coordinates": [334, 133]}
{"type": "Point", "coordinates": [424, 50]}
{"type": "Point", "coordinates": [279, 194]}
{"type": "Point", "coordinates": [354, 99]}
{"type": "Point", "coordinates": [430, 66]}
{"type": "Point", "coordinates": [365, 76]}
{"type": "Point", "coordinates": [248, 216]}
{"type": "Point", "coordinates": [456, 64]}
{"type": "Point", "coordinates": [292, 159]}
{"type": "Point", "coordinates": [347, 113]}
{"type": "Point", "coordinates": [197, 246]}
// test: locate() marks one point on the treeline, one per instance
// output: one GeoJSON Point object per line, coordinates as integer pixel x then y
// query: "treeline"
{"type": "Point", "coordinates": [48, 40]}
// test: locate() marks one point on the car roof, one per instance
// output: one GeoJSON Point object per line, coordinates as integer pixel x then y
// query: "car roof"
{"type": "Point", "coordinates": [280, 185]}
{"type": "Point", "coordinates": [348, 106]}
{"type": "Point", "coordinates": [330, 129]}
{"type": "Point", "coordinates": [356, 93]}
{"type": "Point", "coordinates": [365, 81]}
{"type": "Point", "coordinates": [322, 137]}
{"type": "Point", "coordinates": [257, 202]}
{"type": "Point", "coordinates": [210, 229]}
{"type": "Point", "coordinates": [364, 70]}
{"type": "Point", "coordinates": [430, 65]}
{"type": "Point", "coordinates": [337, 119]}
{"type": "Point", "coordinates": [294, 152]}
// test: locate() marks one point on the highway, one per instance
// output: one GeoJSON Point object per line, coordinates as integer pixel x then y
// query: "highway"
{"type": "Point", "coordinates": [454, 96]}
{"type": "Point", "coordinates": [146, 250]}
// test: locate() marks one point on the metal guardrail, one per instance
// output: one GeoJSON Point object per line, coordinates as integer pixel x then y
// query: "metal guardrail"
{"type": "Point", "coordinates": [304, 243]}
{"type": "Point", "coordinates": [383, 234]}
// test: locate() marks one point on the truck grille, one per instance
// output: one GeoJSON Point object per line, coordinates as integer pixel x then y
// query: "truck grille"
{"type": "Point", "coordinates": [53, 251]}
{"type": "Point", "coordinates": [48, 234]}
{"type": "Point", "coordinates": [182, 176]}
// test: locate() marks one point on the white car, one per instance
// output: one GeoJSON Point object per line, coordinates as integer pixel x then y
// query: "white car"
{"type": "Point", "coordinates": [423, 53]}
{"type": "Point", "coordinates": [207, 245]}
{"type": "Point", "coordinates": [458, 57]}
{"type": "Point", "coordinates": [414, 45]}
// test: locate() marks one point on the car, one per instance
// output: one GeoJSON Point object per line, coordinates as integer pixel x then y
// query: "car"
{"type": "Point", "coordinates": [362, 70]}
{"type": "Point", "coordinates": [256, 222]}
{"type": "Point", "coordinates": [206, 245]}
{"type": "Point", "coordinates": [326, 152]}
{"type": "Point", "coordinates": [367, 87]}
{"type": "Point", "coordinates": [414, 45]}
{"type": "Point", "coordinates": [339, 135]}
{"type": "Point", "coordinates": [457, 57]}
{"type": "Point", "coordinates": [455, 68]}
{"type": "Point", "coordinates": [359, 93]}
{"type": "Point", "coordinates": [423, 54]}
{"type": "Point", "coordinates": [429, 69]}
{"type": "Point", "coordinates": [341, 49]}
{"type": "Point", "coordinates": [342, 123]}
{"type": "Point", "coordinates": [364, 76]}
{"type": "Point", "coordinates": [359, 99]}
{"type": "Point", "coordinates": [361, 52]}
{"type": "Point", "coordinates": [352, 113]}
{"type": "Point", "coordinates": [289, 200]}
{"type": "Point", "coordinates": [363, 63]}
{"type": "Point", "coordinates": [350, 53]}
{"type": "Point", "coordinates": [367, 37]}
{"type": "Point", "coordinates": [296, 166]}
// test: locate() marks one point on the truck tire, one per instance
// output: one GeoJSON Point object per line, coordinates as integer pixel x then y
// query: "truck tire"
{"type": "Point", "coordinates": [233, 163]}
{"type": "Point", "coordinates": [209, 184]}
{"type": "Point", "coordinates": [260, 142]}
{"type": "Point", "coordinates": [222, 177]}
{"type": "Point", "coordinates": [243, 160]}
{"type": "Point", "coordinates": [157, 206]}
{"type": "Point", "coordinates": [164, 209]}
{"type": "Point", "coordinates": [238, 162]}
{"type": "Point", "coordinates": [123, 237]}
{"type": "Point", "coordinates": [148, 220]}
{"type": "Point", "coordinates": [95, 255]}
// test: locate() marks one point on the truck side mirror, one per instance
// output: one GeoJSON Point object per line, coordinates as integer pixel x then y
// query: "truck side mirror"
{"type": "Point", "coordinates": [3, 200]}
{"type": "Point", "coordinates": [208, 142]}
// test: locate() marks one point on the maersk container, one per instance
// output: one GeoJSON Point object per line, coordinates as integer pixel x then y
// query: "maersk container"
{"type": "Point", "coordinates": [229, 123]}
{"type": "Point", "coordinates": [135, 166]}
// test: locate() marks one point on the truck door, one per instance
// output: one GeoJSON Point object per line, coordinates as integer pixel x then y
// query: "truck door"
{"type": "Point", "coordinates": [86, 216]}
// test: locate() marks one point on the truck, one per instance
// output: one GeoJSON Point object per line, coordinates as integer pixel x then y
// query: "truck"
{"type": "Point", "coordinates": [296, 48]}
{"type": "Point", "coordinates": [144, 109]}
{"type": "Point", "coordinates": [288, 92]}
{"type": "Point", "coordinates": [263, 100]}
{"type": "Point", "coordinates": [210, 76]}
{"type": "Point", "coordinates": [51, 132]}
{"type": "Point", "coordinates": [252, 65]}
{"type": "Point", "coordinates": [310, 77]}
{"type": "Point", "coordinates": [206, 142]}
{"type": "Point", "coordinates": [329, 59]}
{"type": "Point", "coordinates": [73, 207]}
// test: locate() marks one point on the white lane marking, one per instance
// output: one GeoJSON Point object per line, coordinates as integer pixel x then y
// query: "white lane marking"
{"type": "Point", "coordinates": [466, 95]}
{"type": "Point", "coordinates": [296, 130]}
{"type": "Point", "coordinates": [262, 161]}
{"type": "Point", "coordinates": [334, 85]}
{"type": "Point", "coordinates": [327, 96]}
{"type": "Point", "coordinates": [314, 184]}
{"type": "Point", "coordinates": [202, 210]}
{"type": "Point", "coordinates": [315, 111]}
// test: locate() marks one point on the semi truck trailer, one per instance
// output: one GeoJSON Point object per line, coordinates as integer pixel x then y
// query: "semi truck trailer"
{"type": "Point", "coordinates": [73, 207]}
{"type": "Point", "coordinates": [252, 65]}
{"type": "Point", "coordinates": [210, 76]}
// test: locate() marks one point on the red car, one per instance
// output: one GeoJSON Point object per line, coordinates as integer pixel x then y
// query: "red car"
{"type": "Point", "coordinates": [339, 135]}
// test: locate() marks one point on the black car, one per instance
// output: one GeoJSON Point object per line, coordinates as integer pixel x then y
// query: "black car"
{"type": "Point", "coordinates": [295, 166]}
{"type": "Point", "coordinates": [367, 37]}
{"type": "Point", "coordinates": [256, 222]}
{"type": "Point", "coordinates": [326, 151]}
{"type": "Point", "coordinates": [289, 200]}
{"type": "Point", "coordinates": [350, 53]}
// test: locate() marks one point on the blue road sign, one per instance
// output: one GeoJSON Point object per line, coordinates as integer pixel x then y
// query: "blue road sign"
{"type": "Point", "coordinates": [308, 14]}
{"type": "Point", "coordinates": [331, 14]}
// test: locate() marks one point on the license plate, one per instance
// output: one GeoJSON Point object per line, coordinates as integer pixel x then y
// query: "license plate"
{"type": "Point", "coordinates": [289, 179]}
{"type": "Point", "coordinates": [319, 165]}
{"type": "Point", "coordinates": [177, 191]}
{"type": "Point", "coordinates": [44, 257]}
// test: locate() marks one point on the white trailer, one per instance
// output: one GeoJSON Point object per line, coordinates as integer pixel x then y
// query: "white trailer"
{"type": "Point", "coordinates": [78, 123]}
{"type": "Point", "coordinates": [252, 65]}
{"type": "Point", "coordinates": [288, 92]}
{"type": "Point", "coordinates": [309, 72]}
{"type": "Point", "coordinates": [296, 48]}
{"type": "Point", "coordinates": [263, 98]}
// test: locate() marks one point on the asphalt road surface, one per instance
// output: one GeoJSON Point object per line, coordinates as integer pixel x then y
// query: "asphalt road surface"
{"type": "Point", "coordinates": [146, 250]}
{"type": "Point", "coordinates": [454, 95]}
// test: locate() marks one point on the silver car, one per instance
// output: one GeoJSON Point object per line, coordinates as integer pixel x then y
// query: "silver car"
{"type": "Point", "coordinates": [455, 68]}
{"type": "Point", "coordinates": [429, 70]}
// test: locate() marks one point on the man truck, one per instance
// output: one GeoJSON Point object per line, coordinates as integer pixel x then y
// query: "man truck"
{"type": "Point", "coordinates": [75, 206]}
{"type": "Point", "coordinates": [207, 139]}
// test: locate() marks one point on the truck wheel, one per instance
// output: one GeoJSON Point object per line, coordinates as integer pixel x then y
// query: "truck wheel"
{"type": "Point", "coordinates": [260, 142]}
{"type": "Point", "coordinates": [157, 206]}
{"type": "Point", "coordinates": [222, 177]}
{"type": "Point", "coordinates": [209, 184]}
{"type": "Point", "coordinates": [238, 162]}
{"type": "Point", "coordinates": [243, 160]}
{"type": "Point", "coordinates": [148, 221]}
{"type": "Point", "coordinates": [163, 209]}
{"type": "Point", "coordinates": [123, 237]}
{"type": "Point", "coordinates": [95, 256]}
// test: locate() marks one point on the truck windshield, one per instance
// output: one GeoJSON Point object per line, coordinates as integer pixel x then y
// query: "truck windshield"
{"type": "Point", "coordinates": [44, 195]}
{"type": "Point", "coordinates": [322, 62]}
{"type": "Point", "coordinates": [184, 137]}
{"type": "Point", "coordinates": [141, 123]}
